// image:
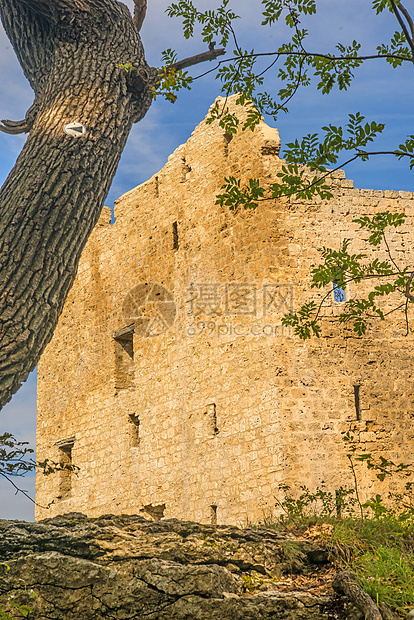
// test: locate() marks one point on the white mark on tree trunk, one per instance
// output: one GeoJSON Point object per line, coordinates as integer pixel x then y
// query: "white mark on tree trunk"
{"type": "Point", "coordinates": [75, 129]}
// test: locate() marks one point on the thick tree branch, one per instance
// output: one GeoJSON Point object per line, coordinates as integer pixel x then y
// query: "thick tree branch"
{"type": "Point", "coordinates": [410, 40]}
{"type": "Point", "coordinates": [14, 127]}
{"type": "Point", "coordinates": [408, 18]}
{"type": "Point", "coordinates": [139, 13]}
{"type": "Point", "coordinates": [195, 60]}
{"type": "Point", "coordinates": [346, 583]}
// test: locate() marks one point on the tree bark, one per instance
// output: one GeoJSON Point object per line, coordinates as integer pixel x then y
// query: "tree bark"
{"type": "Point", "coordinates": [346, 583]}
{"type": "Point", "coordinates": [70, 51]}
{"type": "Point", "coordinates": [386, 612]}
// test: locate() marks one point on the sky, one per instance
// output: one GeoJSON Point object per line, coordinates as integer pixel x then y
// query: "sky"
{"type": "Point", "coordinates": [379, 92]}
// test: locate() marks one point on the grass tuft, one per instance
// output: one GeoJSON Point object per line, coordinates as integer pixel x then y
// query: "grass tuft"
{"type": "Point", "coordinates": [378, 548]}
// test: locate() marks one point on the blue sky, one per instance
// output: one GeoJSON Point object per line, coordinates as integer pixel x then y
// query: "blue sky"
{"type": "Point", "coordinates": [378, 92]}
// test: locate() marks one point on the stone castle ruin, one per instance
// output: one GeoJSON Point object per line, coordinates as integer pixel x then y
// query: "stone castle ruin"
{"type": "Point", "coordinates": [170, 380]}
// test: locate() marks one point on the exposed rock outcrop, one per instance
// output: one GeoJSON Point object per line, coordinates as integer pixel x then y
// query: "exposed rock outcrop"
{"type": "Point", "coordinates": [125, 567]}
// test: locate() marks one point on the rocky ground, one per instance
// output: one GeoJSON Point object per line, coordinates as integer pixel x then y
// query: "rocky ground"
{"type": "Point", "coordinates": [126, 567]}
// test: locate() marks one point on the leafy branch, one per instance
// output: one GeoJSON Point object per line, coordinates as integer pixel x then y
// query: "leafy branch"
{"type": "Point", "coordinates": [383, 468]}
{"type": "Point", "coordinates": [237, 73]}
{"type": "Point", "coordinates": [311, 155]}
{"type": "Point", "coordinates": [309, 162]}
{"type": "Point", "coordinates": [15, 461]}
{"type": "Point", "coordinates": [340, 268]}
{"type": "Point", "coordinates": [295, 66]}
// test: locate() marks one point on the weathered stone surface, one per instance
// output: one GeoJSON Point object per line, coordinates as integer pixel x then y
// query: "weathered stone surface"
{"type": "Point", "coordinates": [125, 567]}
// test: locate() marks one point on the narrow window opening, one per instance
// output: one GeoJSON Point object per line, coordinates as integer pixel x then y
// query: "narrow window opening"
{"type": "Point", "coordinates": [66, 474]}
{"type": "Point", "coordinates": [357, 402]}
{"type": "Point", "coordinates": [339, 293]}
{"type": "Point", "coordinates": [124, 358]}
{"type": "Point", "coordinates": [134, 423]}
{"type": "Point", "coordinates": [157, 187]}
{"type": "Point", "coordinates": [186, 169]}
{"type": "Point", "coordinates": [227, 139]}
{"type": "Point", "coordinates": [175, 236]}
{"type": "Point", "coordinates": [211, 414]}
{"type": "Point", "coordinates": [213, 514]}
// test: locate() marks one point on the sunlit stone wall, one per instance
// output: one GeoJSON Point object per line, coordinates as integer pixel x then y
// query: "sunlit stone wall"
{"type": "Point", "coordinates": [203, 404]}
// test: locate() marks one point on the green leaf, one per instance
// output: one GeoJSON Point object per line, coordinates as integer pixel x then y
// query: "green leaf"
{"type": "Point", "coordinates": [171, 80]}
{"type": "Point", "coordinates": [303, 322]}
{"type": "Point", "coordinates": [273, 10]}
{"type": "Point", "coordinates": [381, 5]}
{"type": "Point", "coordinates": [235, 195]}
{"type": "Point", "coordinates": [216, 23]}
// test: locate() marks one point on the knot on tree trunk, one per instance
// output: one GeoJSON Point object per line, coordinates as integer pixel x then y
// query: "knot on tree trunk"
{"type": "Point", "coordinates": [140, 82]}
{"type": "Point", "coordinates": [138, 79]}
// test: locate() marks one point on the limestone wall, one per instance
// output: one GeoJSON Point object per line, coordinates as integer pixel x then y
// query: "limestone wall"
{"type": "Point", "coordinates": [219, 404]}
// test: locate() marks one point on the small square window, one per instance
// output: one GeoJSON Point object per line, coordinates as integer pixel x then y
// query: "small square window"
{"type": "Point", "coordinates": [65, 459]}
{"type": "Point", "coordinates": [124, 358]}
{"type": "Point", "coordinates": [339, 293]}
{"type": "Point", "coordinates": [134, 430]}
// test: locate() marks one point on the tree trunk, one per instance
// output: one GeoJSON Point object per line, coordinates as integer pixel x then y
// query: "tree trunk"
{"type": "Point", "coordinates": [70, 51]}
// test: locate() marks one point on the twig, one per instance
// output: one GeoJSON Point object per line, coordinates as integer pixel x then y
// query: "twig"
{"type": "Point", "coordinates": [284, 510]}
{"type": "Point", "coordinates": [236, 43]}
{"type": "Point", "coordinates": [18, 490]}
{"type": "Point", "coordinates": [282, 105]}
{"type": "Point", "coordinates": [315, 55]}
{"type": "Point", "coordinates": [195, 60]}
{"type": "Point", "coordinates": [331, 171]}
{"type": "Point", "coordinates": [268, 67]}
{"type": "Point", "coordinates": [407, 288]}
{"type": "Point", "coordinates": [389, 252]}
{"type": "Point", "coordinates": [406, 317]}
{"type": "Point", "coordinates": [403, 26]}
{"type": "Point", "coordinates": [352, 468]}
